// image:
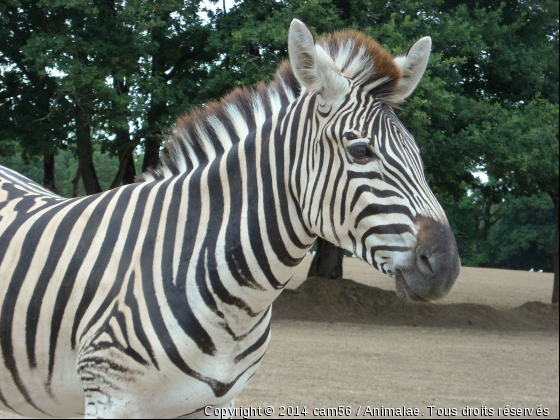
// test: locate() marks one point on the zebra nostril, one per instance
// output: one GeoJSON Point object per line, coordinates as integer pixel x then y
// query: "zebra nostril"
{"type": "Point", "coordinates": [425, 265]}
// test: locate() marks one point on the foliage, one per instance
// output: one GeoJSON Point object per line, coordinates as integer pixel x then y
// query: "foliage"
{"type": "Point", "coordinates": [66, 164]}
{"type": "Point", "coordinates": [521, 239]}
{"type": "Point", "coordinates": [519, 232]}
{"type": "Point", "coordinates": [28, 96]}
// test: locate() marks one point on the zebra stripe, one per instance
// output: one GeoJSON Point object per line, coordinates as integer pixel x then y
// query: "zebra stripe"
{"type": "Point", "coordinates": [154, 299]}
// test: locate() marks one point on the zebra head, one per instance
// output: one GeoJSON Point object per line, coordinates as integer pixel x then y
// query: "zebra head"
{"type": "Point", "coordinates": [365, 188]}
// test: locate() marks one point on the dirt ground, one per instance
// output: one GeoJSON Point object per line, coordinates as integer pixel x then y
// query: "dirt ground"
{"type": "Point", "coordinates": [355, 345]}
{"type": "Point", "coordinates": [352, 344]}
{"type": "Point", "coordinates": [503, 289]}
{"type": "Point", "coordinates": [322, 365]}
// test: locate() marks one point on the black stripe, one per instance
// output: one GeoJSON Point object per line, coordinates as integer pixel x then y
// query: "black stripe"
{"type": "Point", "coordinates": [308, 144]}
{"type": "Point", "coordinates": [335, 197]}
{"type": "Point", "coordinates": [256, 346]}
{"type": "Point", "coordinates": [5, 403]}
{"type": "Point", "coordinates": [393, 229]}
{"type": "Point", "coordinates": [369, 189]}
{"type": "Point", "coordinates": [374, 208]}
{"type": "Point", "coordinates": [131, 301]}
{"type": "Point", "coordinates": [216, 216]}
{"type": "Point", "coordinates": [375, 249]}
{"type": "Point", "coordinates": [254, 214]}
{"type": "Point", "coordinates": [22, 208]}
{"type": "Point", "coordinates": [269, 203]}
{"type": "Point", "coordinates": [235, 257]}
{"type": "Point", "coordinates": [121, 321]}
{"type": "Point", "coordinates": [58, 245]}
{"type": "Point", "coordinates": [15, 284]}
{"type": "Point", "coordinates": [319, 145]}
{"type": "Point", "coordinates": [354, 244]}
{"type": "Point", "coordinates": [106, 250]}
{"type": "Point", "coordinates": [175, 291]}
{"type": "Point", "coordinates": [74, 265]}
{"type": "Point", "coordinates": [305, 146]}
{"type": "Point", "coordinates": [281, 185]}
{"type": "Point", "coordinates": [158, 323]}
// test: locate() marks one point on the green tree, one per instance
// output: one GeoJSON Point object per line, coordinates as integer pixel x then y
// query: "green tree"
{"type": "Point", "coordinates": [31, 110]}
{"type": "Point", "coordinates": [524, 155]}
{"type": "Point", "coordinates": [521, 238]}
{"type": "Point", "coordinates": [175, 69]}
{"type": "Point", "coordinates": [67, 165]}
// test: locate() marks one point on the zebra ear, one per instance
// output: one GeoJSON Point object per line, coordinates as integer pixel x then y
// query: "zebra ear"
{"type": "Point", "coordinates": [312, 66]}
{"type": "Point", "coordinates": [412, 67]}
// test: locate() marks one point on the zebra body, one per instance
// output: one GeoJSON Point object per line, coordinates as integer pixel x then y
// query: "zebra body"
{"type": "Point", "coordinates": [154, 299]}
{"type": "Point", "coordinates": [123, 291]}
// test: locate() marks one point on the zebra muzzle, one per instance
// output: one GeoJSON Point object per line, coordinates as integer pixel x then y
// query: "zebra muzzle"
{"type": "Point", "coordinates": [432, 269]}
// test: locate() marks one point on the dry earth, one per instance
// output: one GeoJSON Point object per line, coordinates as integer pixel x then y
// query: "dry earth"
{"type": "Point", "coordinates": [352, 344]}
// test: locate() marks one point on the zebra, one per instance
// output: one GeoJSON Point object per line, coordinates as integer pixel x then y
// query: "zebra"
{"type": "Point", "coordinates": [154, 299]}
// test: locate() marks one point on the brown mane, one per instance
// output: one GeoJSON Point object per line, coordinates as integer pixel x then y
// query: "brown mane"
{"type": "Point", "coordinates": [199, 136]}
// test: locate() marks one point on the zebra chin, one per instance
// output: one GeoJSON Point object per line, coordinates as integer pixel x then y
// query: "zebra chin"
{"type": "Point", "coordinates": [429, 272]}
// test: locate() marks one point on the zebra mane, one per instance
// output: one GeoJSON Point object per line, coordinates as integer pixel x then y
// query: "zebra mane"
{"type": "Point", "coordinates": [206, 133]}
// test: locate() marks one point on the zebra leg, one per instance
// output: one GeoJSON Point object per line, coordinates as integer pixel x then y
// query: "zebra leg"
{"type": "Point", "coordinates": [106, 398]}
{"type": "Point", "coordinates": [112, 383]}
{"type": "Point", "coordinates": [105, 407]}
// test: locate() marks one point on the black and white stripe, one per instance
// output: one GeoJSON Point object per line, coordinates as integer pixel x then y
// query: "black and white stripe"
{"type": "Point", "coordinates": [154, 299]}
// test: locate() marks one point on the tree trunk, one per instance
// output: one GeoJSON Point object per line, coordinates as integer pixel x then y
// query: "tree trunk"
{"type": "Point", "coordinates": [151, 152]}
{"type": "Point", "coordinates": [477, 234]}
{"type": "Point", "coordinates": [327, 262]}
{"type": "Point", "coordinates": [84, 114]}
{"type": "Point", "coordinates": [48, 175]}
{"type": "Point", "coordinates": [127, 171]}
{"type": "Point", "coordinates": [554, 198]}
{"type": "Point", "coordinates": [125, 146]}
{"type": "Point", "coordinates": [158, 104]}
{"type": "Point", "coordinates": [487, 221]}
{"type": "Point", "coordinates": [76, 182]}
{"type": "Point", "coordinates": [130, 171]}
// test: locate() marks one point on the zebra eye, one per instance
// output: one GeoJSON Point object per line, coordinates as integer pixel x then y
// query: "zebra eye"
{"type": "Point", "coordinates": [361, 151]}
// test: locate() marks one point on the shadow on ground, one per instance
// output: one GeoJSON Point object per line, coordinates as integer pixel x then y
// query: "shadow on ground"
{"type": "Point", "coordinates": [347, 301]}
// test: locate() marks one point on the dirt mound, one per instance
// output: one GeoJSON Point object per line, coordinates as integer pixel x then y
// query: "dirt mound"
{"type": "Point", "coordinates": [347, 301]}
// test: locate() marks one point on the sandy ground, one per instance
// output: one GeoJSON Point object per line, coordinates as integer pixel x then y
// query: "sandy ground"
{"type": "Point", "coordinates": [471, 350]}
{"type": "Point", "coordinates": [497, 288]}
{"type": "Point", "coordinates": [318, 365]}
{"type": "Point", "coordinates": [494, 362]}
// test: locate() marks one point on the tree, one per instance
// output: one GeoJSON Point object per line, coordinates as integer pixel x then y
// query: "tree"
{"type": "Point", "coordinates": [73, 48]}
{"type": "Point", "coordinates": [175, 69]}
{"type": "Point", "coordinates": [327, 262]}
{"type": "Point", "coordinates": [521, 238]}
{"type": "Point", "coordinates": [524, 155]}
{"type": "Point", "coordinates": [120, 73]}
{"type": "Point", "coordinates": [29, 101]}
{"type": "Point", "coordinates": [66, 166]}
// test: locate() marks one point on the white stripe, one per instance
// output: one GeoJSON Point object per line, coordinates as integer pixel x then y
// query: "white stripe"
{"type": "Point", "coordinates": [205, 142]}
{"type": "Point", "coordinates": [221, 132]}
{"type": "Point", "coordinates": [237, 120]}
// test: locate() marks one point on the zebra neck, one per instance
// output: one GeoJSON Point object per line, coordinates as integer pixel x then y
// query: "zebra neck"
{"type": "Point", "coordinates": [244, 232]}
